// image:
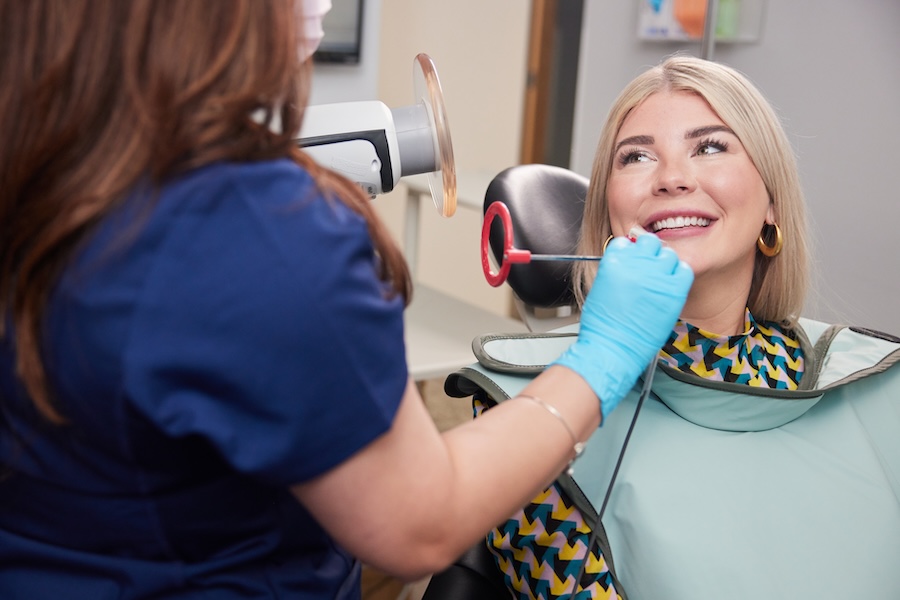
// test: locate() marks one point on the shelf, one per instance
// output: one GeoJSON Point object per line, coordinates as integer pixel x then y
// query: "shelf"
{"type": "Point", "coordinates": [737, 20]}
{"type": "Point", "coordinates": [440, 330]}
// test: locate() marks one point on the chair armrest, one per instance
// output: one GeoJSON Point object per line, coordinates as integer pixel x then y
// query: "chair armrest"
{"type": "Point", "coordinates": [474, 576]}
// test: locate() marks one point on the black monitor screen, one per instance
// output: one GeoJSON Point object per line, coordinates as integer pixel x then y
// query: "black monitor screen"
{"type": "Point", "coordinates": [343, 33]}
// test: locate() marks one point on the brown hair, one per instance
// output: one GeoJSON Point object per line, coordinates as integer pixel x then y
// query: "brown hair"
{"type": "Point", "coordinates": [95, 94]}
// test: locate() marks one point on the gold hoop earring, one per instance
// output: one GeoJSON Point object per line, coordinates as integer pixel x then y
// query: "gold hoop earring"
{"type": "Point", "coordinates": [770, 251]}
{"type": "Point", "coordinates": [605, 244]}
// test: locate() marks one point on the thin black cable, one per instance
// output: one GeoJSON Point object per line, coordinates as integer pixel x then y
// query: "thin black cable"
{"type": "Point", "coordinates": [648, 381]}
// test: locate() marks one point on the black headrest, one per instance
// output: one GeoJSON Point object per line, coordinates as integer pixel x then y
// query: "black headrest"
{"type": "Point", "coordinates": [546, 204]}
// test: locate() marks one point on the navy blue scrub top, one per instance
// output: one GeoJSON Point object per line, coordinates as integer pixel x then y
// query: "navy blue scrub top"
{"type": "Point", "coordinates": [207, 353]}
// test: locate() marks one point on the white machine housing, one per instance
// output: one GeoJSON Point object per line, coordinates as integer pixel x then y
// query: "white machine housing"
{"type": "Point", "coordinates": [375, 146]}
{"type": "Point", "coordinates": [369, 143]}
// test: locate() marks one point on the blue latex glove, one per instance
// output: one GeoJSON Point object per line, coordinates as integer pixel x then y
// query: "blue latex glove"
{"type": "Point", "coordinates": [627, 316]}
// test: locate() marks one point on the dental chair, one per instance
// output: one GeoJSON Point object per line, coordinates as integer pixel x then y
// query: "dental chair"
{"type": "Point", "coordinates": [546, 204]}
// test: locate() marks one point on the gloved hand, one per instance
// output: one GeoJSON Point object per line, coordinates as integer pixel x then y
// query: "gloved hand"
{"type": "Point", "coordinates": [627, 316]}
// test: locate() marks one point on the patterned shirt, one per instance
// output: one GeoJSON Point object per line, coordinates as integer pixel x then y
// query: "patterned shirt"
{"type": "Point", "coordinates": [540, 549]}
{"type": "Point", "coordinates": [765, 355]}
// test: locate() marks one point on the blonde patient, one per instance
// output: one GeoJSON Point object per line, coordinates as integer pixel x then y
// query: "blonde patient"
{"type": "Point", "coordinates": [765, 456]}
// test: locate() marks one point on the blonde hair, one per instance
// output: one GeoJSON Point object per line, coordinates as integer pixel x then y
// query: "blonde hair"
{"type": "Point", "coordinates": [779, 285]}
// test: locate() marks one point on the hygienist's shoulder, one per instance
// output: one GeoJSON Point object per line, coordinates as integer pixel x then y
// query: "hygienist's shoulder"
{"type": "Point", "coordinates": [280, 187]}
{"type": "Point", "coordinates": [232, 214]}
{"type": "Point", "coordinates": [251, 178]}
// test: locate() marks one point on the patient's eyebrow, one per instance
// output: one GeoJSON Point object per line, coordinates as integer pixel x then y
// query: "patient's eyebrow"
{"type": "Point", "coordinates": [702, 131]}
{"type": "Point", "coordinates": [648, 140]}
{"type": "Point", "coordinates": [636, 140]}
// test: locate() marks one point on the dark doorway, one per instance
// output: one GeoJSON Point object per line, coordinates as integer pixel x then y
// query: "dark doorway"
{"type": "Point", "coordinates": [554, 44]}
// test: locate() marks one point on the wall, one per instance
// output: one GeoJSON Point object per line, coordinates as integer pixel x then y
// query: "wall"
{"type": "Point", "coordinates": [350, 83]}
{"type": "Point", "coordinates": [479, 50]}
{"type": "Point", "coordinates": [833, 73]}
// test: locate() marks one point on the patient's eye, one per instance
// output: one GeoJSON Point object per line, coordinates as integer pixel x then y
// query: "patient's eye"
{"type": "Point", "coordinates": [711, 146]}
{"type": "Point", "coordinates": [632, 156]}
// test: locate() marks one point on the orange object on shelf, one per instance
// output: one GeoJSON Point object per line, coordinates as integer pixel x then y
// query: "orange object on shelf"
{"type": "Point", "coordinates": [691, 15]}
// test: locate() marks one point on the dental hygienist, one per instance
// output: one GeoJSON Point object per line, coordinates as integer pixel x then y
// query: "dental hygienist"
{"type": "Point", "coordinates": [203, 383]}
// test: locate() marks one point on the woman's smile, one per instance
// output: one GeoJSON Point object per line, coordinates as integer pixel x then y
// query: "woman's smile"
{"type": "Point", "coordinates": [683, 174]}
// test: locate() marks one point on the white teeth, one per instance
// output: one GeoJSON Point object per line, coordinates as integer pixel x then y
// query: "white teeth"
{"type": "Point", "coordinates": [678, 222]}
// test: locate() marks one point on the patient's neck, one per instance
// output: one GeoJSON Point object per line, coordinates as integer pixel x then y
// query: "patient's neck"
{"type": "Point", "coordinates": [720, 310]}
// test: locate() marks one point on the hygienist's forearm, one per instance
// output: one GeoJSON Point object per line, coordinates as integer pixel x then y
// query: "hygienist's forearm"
{"type": "Point", "coordinates": [413, 500]}
{"type": "Point", "coordinates": [520, 446]}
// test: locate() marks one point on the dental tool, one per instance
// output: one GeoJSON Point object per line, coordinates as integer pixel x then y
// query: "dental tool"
{"type": "Point", "coordinates": [512, 255]}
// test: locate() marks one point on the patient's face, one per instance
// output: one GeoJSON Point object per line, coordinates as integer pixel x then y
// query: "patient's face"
{"type": "Point", "coordinates": [681, 173]}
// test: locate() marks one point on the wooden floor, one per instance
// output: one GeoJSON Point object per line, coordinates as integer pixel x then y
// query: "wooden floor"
{"type": "Point", "coordinates": [378, 586]}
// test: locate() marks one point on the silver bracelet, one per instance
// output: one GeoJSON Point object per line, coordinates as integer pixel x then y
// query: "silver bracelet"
{"type": "Point", "coordinates": [576, 445]}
